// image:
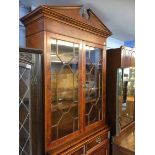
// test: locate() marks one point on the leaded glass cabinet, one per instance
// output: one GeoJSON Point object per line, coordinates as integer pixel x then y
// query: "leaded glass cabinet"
{"type": "Point", "coordinates": [73, 40]}
{"type": "Point", "coordinates": [30, 102]}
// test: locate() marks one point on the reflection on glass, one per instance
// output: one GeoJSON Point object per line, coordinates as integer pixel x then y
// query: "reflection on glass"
{"type": "Point", "coordinates": [93, 85]}
{"type": "Point", "coordinates": [126, 95]}
{"type": "Point", "coordinates": [64, 87]}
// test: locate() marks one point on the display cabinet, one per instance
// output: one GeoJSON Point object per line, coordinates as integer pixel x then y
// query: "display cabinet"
{"type": "Point", "coordinates": [73, 41]}
{"type": "Point", "coordinates": [30, 102]}
{"type": "Point", "coordinates": [120, 96]}
{"type": "Point", "coordinates": [120, 88]}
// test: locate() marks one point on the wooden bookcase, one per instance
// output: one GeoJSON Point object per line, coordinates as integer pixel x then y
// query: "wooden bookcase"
{"type": "Point", "coordinates": [73, 41]}
{"type": "Point", "coordinates": [30, 102]}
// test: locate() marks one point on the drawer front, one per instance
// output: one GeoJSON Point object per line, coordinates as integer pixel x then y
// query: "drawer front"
{"type": "Point", "coordinates": [95, 145]}
{"type": "Point", "coordinates": [74, 151]}
{"type": "Point", "coordinates": [95, 141]}
{"type": "Point", "coordinates": [100, 149]}
{"type": "Point", "coordinates": [78, 152]}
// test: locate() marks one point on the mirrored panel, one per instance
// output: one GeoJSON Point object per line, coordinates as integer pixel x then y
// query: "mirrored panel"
{"type": "Point", "coordinates": [126, 95]}
{"type": "Point", "coordinates": [93, 85]}
{"type": "Point", "coordinates": [64, 88]}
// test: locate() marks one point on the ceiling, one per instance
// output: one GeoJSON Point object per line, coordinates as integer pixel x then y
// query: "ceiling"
{"type": "Point", "coordinates": [117, 15]}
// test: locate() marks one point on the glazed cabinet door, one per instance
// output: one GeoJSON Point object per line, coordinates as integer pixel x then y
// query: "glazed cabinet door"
{"type": "Point", "coordinates": [64, 78]}
{"type": "Point", "coordinates": [75, 88]}
{"type": "Point", "coordinates": [30, 103]}
{"type": "Point", "coordinates": [125, 97]}
{"type": "Point", "coordinates": [94, 84]}
{"type": "Point", "coordinates": [24, 110]}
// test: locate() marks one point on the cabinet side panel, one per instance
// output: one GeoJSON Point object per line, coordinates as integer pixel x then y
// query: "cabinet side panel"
{"type": "Point", "coordinates": [113, 62]}
{"type": "Point", "coordinates": [38, 40]}
{"type": "Point", "coordinates": [35, 41]}
{"type": "Point", "coordinates": [35, 27]}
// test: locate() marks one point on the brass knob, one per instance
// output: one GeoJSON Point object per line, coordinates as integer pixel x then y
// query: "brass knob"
{"type": "Point", "coordinates": [98, 140]}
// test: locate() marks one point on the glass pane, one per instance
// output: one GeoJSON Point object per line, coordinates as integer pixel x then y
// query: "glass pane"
{"type": "Point", "coordinates": [64, 86]}
{"type": "Point", "coordinates": [65, 51]}
{"type": "Point", "coordinates": [53, 46]}
{"type": "Point", "coordinates": [24, 110]}
{"type": "Point", "coordinates": [126, 95]}
{"type": "Point", "coordinates": [93, 85]}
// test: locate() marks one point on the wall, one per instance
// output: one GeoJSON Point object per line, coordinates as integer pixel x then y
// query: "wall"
{"type": "Point", "coordinates": [130, 43]}
{"type": "Point", "coordinates": [114, 43]}
{"type": "Point", "coordinates": [22, 11]}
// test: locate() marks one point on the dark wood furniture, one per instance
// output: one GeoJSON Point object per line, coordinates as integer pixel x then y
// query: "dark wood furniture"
{"type": "Point", "coordinates": [124, 144]}
{"type": "Point", "coordinates": [73, 41]}
{"type": "Point", "coordinates": [118, 61]}
{"type": "Point", "coordinates": [120, 90]}
{"type": "Point", "coordinates": [124, 56]}
{"type": "Point", "coordinates": [30, 102]}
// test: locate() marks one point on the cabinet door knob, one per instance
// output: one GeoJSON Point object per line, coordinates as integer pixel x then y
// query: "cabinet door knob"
{"type": "Point", "coordinates": [98, 140]}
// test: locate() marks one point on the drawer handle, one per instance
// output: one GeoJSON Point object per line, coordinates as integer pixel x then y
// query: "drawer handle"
{"type": "Point", "coordinates": [98, 140]}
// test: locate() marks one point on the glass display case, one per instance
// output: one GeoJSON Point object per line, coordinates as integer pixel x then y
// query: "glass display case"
{"type": "Point", "coordinates": [120, 91]}
{"type": "Point", "coordinates": [120, 82]}
{"type": "Point", "coordinates": [125, 96]}
{"type": "Point", "coordinates": [24, 111]}
{"type": "Point", "coordinates": [30, 102]}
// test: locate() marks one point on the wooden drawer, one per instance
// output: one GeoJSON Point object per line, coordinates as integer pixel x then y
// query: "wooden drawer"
{"type": "Point", "coordinates": [100, 149]}
{"type": "Point", "coordinates": [96, 144]}
{"type": "Point", "coordinates": [75, 151]}
{"type": "Point", "coordinates": [95, 141]}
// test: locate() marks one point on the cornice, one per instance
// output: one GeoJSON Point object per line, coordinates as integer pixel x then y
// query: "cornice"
{"type": "Point", "coordinates": [50, 12]}
{"type": "Point", "coordinates": [127, 48]}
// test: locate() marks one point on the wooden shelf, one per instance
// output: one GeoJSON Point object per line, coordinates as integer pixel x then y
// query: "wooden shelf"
{"type": "Point", "coordinates": [66, 25]}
